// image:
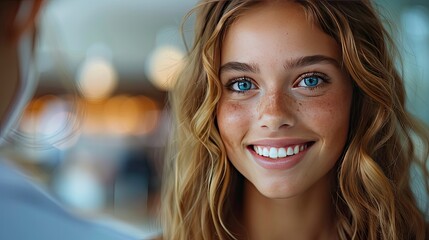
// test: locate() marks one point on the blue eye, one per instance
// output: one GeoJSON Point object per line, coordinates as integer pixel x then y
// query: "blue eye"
{"type": "Point", "coordinates": [311, 81]}
{"type": "Point", "coordinates": [242, 85]}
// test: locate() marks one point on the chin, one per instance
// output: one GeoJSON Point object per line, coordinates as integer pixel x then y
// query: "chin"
{"type": "Point", "coordinates": [278, 190]}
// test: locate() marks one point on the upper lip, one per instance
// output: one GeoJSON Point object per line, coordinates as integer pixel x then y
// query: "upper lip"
{"type": "Point", "coordinates": [280, 142]}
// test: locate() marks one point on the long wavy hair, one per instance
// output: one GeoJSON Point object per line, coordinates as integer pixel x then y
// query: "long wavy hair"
{"type": "Point", "coordinates": [373, 196]}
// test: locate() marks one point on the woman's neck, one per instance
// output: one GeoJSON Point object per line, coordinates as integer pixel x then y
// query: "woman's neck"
{"type": "Point", "coordinates": [311, 215]}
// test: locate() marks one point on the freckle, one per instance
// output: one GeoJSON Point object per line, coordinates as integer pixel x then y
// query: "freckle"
{"type": "Point", "coordinates": [235, 106]}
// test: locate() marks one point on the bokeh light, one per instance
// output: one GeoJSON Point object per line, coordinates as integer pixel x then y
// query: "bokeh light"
{"type": "Point", "coordinates": [150, 115]}
{"type": "Point", "coordinates": [50, 121]}
{"type": "Point", "coordinates": [164, 64]}
{"type": "Point", "coordinates": [121, 115]}
{"type": "Point", "coordinates": [97, 78]}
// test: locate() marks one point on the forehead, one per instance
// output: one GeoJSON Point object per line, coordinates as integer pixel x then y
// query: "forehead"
{"type": "Point", "coordinates": [280, 28]}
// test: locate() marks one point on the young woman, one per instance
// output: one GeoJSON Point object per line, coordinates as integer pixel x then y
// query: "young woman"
{"type": "Point", "coordinates": [290, 123]}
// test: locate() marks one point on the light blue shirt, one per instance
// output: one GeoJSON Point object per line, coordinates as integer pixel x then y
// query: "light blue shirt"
{"type": "Point", "coordinates": [27, 212]}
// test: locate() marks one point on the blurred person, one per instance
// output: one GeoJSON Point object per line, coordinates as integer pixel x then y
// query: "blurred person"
{"type": "Point", "coordinates": [290, 123]}
{"type": "Point", "coordinates": [26, 210]}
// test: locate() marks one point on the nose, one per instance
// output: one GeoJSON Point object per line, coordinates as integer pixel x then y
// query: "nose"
{"type": "Point", "coordinates": [275, 111]}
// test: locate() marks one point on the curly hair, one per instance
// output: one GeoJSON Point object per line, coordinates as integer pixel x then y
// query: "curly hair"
{"type": "Point", "coordinates": [373, 196]}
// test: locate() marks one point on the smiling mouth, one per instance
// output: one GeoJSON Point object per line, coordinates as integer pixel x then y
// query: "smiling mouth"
{"type": "Point", "coordinates": [282, 152]}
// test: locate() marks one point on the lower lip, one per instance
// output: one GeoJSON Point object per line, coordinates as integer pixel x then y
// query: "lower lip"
{"type": "Point", "coordinates": [278, 163]}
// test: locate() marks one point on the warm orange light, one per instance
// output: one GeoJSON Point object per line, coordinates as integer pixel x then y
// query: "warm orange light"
{"type": "Point", "coordinates": [149, 118]}
{"type": "Point", "coordinates": [121, 115]}
{"type": "Point", "coordinates": [49, 120]}
{"type": "Point", "coordinates": [93, 118]}
{"type": "Point", "coordinates": [30, 122]}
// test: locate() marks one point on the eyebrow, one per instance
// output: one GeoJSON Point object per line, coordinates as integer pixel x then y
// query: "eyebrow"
{"type": "Point", "coordinates": [239, 67]}
{"type": "Point", "coordinates": [290, 64]}
{"type": "Point", "coordinates": [310, 60]}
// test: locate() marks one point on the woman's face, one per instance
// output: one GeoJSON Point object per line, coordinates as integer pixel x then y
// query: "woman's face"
{"type": "Point", "coordinates": [284, 111]}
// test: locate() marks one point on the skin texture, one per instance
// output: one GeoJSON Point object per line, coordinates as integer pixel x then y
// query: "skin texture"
{"type": "Point", "coordinates": [280, 109]}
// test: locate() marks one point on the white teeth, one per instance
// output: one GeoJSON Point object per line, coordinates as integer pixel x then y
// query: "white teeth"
{"type": "Point", "coordinates": [265, 152]}
{"type": "Point", "coordinates": [289, 151]}
{"type": "Point", "coordinates": [296, 149]}
{"type": "Point", "coordinates": [273, 152]}
{"type": "Point", "coordinates": [282, 153]}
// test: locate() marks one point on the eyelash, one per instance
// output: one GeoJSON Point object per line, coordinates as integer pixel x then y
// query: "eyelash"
{"type": "Point", "coordinates": [320, 76]}
{"type": "Point", "coordinates": [230, 85]}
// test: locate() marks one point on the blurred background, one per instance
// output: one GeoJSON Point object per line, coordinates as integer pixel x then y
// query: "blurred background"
{"type": "Point", "coordinates": [95, 133]}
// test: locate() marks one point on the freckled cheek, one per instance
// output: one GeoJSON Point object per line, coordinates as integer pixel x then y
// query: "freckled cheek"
{"type": "Point", "coordinates": [233, 121]}
{"type": "Point", "coordinates": [328, 116]}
